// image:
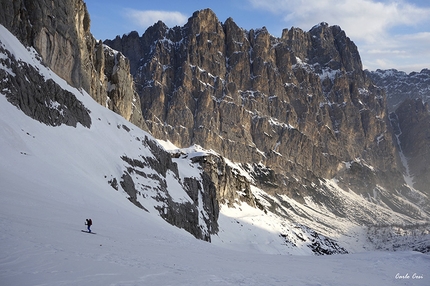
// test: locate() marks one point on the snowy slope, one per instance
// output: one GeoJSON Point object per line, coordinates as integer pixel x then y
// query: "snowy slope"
{"type": "Point", "coordinates": [53, 178]}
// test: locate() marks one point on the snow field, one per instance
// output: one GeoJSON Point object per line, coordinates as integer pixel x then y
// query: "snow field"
{"type": "Point", "coordinates": [43, 208]}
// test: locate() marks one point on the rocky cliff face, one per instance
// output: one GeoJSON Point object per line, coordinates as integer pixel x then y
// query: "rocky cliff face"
{"type": "Point", "coordinates": [301, 104]}
{"type": "Point", "coordinates": [60, 33]}
{"type": "Point", "coordinates": [408, 96]}
{"type": "Point", "coordinates": [412, 119]}
{"type": "Point", "coordinates": [53, 28]}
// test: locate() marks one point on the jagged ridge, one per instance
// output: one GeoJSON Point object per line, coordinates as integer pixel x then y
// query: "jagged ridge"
{"type": "Point", "coordinates": [301, 104]}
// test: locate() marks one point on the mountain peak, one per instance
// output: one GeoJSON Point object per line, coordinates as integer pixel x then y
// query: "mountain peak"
{"type": "Point", "coordinates": [322, 24]}
{"type": "Point", "coordinates": [204, 13]}
{"type": "Point", "coordinates": [204, 21]}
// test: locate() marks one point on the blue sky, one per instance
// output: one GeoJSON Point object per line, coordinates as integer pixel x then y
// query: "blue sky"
{"type": "Point", "coordinates": [388, 33]}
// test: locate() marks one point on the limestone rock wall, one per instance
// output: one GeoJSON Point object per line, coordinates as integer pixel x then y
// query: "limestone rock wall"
{"type": "Point", "coordinates": [413, 119]}
{"type": "Point", "coordinates": [60, 32]}
{"type": "Point", "coordinates": [408, 96]}
{"type": "Point", "coordinates": [300, 104]}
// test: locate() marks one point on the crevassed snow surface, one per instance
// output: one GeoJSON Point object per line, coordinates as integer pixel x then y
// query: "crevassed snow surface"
{"type": "Point", "coordinates": [52, 179]}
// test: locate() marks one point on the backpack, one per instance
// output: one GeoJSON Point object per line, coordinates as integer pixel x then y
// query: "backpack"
{"type": "Point", "coordinates": [90, 222]}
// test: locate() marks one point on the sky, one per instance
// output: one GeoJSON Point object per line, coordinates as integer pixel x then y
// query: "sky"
{"type": "Point", "coordinates": [388, 33]}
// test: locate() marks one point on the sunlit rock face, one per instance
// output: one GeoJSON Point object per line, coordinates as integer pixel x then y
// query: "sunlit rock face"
{"type": "Point", "coordinates": [299, 104]}
{"type": "Point", "coordinates": [60, 32]}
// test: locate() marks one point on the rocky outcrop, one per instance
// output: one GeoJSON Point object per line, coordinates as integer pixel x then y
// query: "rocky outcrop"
{"type": "Point", "coordinates": [198, 215]}
{"type": "Point", "coordinates": [301, 105]}
{"type": "Point", "coordinates": [40, 99]}
{"type": "Point", "coordinates": [112, 85]}
{"type": "Point", "coordinates": [60, 33]}
{"type": "Point", "coordinates": [230, 186]}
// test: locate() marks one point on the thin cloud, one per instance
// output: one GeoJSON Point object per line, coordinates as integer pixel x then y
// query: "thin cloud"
{"type": "Point", "coordinates": [408, 52]}
{"type": "Point", "coordinates": [144, 19]}
{"type": "Point", "coordinates": [361, 19]}
{"type": "Point", "coordinates": [375, 26]}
